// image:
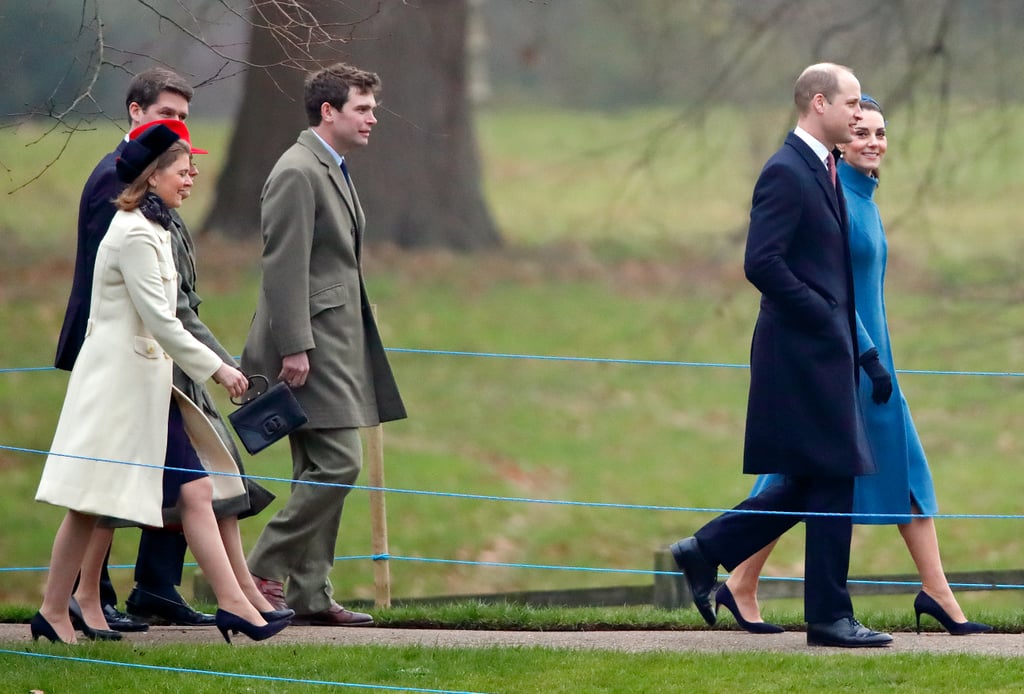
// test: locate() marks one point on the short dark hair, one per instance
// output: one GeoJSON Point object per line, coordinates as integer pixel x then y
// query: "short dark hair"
{"type": "Point", "coordinates": [332, 84]}
{"type": "Point", "coordinates": [822, 78]}
{"type": "Point", "coordinates": [147, 86]}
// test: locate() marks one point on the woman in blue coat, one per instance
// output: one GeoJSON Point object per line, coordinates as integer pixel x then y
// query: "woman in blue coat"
{"type": "Point", "coordinates": [901, 492]}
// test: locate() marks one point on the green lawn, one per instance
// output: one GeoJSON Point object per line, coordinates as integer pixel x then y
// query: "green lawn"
{"type": "Point", "coordinates": [506, 670]}
{"type": "Point", "coordinates": [640, 260]}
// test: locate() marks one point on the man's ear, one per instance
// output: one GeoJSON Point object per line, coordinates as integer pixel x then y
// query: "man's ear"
{"type": "Point", "coordinates": [135, 111]}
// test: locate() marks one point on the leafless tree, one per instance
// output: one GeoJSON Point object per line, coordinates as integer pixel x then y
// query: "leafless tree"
{"type": "Point", "coordinates": [420, 178]}
{"type": "Point", "coordinates": [419, 181]}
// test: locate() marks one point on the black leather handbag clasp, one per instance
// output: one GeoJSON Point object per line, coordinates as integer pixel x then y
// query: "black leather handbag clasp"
{"type": "Point", "coordinates": [266, 414]}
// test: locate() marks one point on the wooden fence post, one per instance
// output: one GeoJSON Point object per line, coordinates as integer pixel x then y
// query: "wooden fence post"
{"type": "Point", "coordinates": [378, 516]}
{"type": "Point", "coordinates": [378, 511]}
{"type": "Point", "coordinates": [671, 591]}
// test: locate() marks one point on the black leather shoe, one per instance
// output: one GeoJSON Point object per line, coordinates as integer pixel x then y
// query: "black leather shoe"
{"type": "Point", "coordinates": [845, 633]}
{"type": "Point", "coordinates": [157, 609]}
{"type": "Point", "coordinates": [700, 574]}
{"type": "Point", "coordinates": [119, 621]}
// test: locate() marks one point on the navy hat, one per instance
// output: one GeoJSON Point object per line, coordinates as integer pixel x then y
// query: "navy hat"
{"type": "Point", "coordinates": [143, 151]}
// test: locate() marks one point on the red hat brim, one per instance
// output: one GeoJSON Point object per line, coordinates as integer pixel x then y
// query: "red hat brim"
{"type": "Point", "coordinates": [178, 127]}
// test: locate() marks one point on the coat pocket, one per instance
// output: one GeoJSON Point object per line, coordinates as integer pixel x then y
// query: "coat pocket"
{"type": "Point", "coordinates": [332, 297]}
{"type": "Point", "coordinates": [148, 347]}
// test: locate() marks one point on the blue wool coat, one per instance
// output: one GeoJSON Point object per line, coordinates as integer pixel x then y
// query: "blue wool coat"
{"type": "Point", "coordinates": [903, 472]}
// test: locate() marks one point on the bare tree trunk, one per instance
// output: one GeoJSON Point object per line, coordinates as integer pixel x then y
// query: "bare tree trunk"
{"type": "Point", "coordinates": [419, 179]}
{"type": "Point", "coordinates": [269, 118]}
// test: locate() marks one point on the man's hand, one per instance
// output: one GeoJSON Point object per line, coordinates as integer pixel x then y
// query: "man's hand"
{"type": "Point", "coordinates": [881, 380]}
{"type": "Point", "coordinates": [295, 369]}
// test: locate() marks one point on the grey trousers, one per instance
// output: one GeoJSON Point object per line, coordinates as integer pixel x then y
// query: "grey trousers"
{"type": "Point", "coordinates": [297, 546]}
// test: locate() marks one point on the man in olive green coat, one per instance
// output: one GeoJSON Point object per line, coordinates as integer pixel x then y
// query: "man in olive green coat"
{"type": "Point", "coordinates": [314, 330]}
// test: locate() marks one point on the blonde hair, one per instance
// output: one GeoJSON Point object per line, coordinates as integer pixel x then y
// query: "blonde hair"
{"type": "Point", "coordinates": [131, 196]}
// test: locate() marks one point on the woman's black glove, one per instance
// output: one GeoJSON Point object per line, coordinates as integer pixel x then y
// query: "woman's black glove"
{"type": "Point", "coordinates": [881, 380]}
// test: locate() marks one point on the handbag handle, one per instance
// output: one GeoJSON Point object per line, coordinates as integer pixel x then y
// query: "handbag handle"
{"type": "Point", "coordinates": [249, 398]}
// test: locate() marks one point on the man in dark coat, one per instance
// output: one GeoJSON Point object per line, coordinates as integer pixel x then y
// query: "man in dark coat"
{"type": "Point", "coordinates": [802, 414]}
{"type": "Point", "coordinates": [314, 330]}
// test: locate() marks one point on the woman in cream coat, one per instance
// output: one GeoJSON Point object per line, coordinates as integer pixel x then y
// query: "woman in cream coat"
{"type": "Point", "coordinates": [108, 453]}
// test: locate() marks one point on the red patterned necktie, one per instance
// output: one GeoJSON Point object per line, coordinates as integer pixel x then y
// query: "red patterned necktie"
{"type": "Point", "coordinates": [830, 164]}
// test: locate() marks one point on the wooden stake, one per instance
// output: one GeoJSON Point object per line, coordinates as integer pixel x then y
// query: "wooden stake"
{"type": "Point", "coordinates": [378, 512]}
{"type": "Point", "coordinates": [378, 516]}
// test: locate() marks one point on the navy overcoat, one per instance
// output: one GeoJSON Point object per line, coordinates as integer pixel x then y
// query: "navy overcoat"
{"type": "Point", "coordinates": [802, 413]}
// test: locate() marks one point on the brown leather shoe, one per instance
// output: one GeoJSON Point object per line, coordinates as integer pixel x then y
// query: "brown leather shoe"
{"type": "Point", "coordinates": [273, 591]}
{"type": "Point", "coordinates": [333, 616]}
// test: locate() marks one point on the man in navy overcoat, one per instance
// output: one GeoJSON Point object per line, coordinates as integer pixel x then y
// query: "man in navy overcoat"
{"type": "Point", "coordinates": [802, 414]}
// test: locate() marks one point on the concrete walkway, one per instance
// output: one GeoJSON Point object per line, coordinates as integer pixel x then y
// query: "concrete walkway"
{"type": "Point", "coordinates": [713, 641]}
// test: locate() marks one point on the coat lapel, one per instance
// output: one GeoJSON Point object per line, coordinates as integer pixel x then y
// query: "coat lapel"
{"type": "Point", "coordinates": [190, 247]}
{"type": "Point", "coordinates": [336, 177]}
{"type": "Point", "coordinates": [817, 170]}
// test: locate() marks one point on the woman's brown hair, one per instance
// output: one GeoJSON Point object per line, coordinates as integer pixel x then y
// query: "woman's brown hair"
{"type": "Point", "coordinates": [131, 196]}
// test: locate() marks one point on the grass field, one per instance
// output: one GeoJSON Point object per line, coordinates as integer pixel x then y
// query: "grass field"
{"type": "Point", "coordinates": [640, 262]}
{"type": "Point", "coordinates": [535, 670]}
{"type": "Point", "coordinates": [511, 670]}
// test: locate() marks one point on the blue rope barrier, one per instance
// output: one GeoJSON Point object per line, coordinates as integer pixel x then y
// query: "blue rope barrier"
{"type": "Point", "coordinates": [609, 360]}
{"type": "Point", "coordinates": [234, 675]}
{"type": "Point", "coordinates": [559, 567]}
{"type": "Point", "coordinates": [652, 572]}
{"type": "Point", "coordinates": [522, 499]}
{"type": "Point", "coordinates": [562, 502]}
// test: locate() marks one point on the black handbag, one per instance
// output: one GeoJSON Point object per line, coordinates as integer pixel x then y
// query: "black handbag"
{"type": "Point", "coordinates": [266, 415]}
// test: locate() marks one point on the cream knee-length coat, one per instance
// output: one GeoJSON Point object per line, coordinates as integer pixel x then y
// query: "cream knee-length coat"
{"type": "Point", "coordinates": [108, 452]}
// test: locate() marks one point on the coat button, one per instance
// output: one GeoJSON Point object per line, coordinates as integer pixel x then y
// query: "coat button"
{"type": "Point", "coordinates": [150, 349]}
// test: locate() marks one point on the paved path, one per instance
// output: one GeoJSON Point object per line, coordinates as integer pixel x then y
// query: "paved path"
{"type": "Point", "coordinates": [1012, 645]}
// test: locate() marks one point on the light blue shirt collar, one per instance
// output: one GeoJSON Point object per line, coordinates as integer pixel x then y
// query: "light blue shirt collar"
{"type": "Point", "coordinates": [334, 155]}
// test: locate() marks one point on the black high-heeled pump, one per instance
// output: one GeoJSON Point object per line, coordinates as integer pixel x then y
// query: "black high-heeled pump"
{"type": "Point", "coordinates": [42, 628]}
{"type": "Point", "coordinates": [724, 597]}
{"type": "Point", "coordinates": [276, 615]}
{"type": "Point", "coordinates": [925, 604]}
{"type": "Point", "coordinates": [230, 622]}
{"type": "Point", "coordinates": [78, 622]}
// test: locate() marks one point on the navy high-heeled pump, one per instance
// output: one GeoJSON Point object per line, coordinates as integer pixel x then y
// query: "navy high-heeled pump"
{"type": "Point", "coordinates": [78, 622]}
{"type": "Point", "coordinates": [42, 628]}
{"type": "Point", "coordinates": [230, 622]}
{"type": "Point", "coordinates": [276, 615]}
{"type": "Point", "coordinates": [724, 597]}
{"type": "Point", "coordinates": [925, 604]}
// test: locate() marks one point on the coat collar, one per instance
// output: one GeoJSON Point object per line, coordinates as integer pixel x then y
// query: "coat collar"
{"type": "Point", "coordinates": [348, 193]}
{"type": "Point", "coordinates": [857, 182]}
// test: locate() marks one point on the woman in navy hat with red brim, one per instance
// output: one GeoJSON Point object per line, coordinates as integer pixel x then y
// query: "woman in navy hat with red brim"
{"type": "Point", "coordinates": [107, 457]}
